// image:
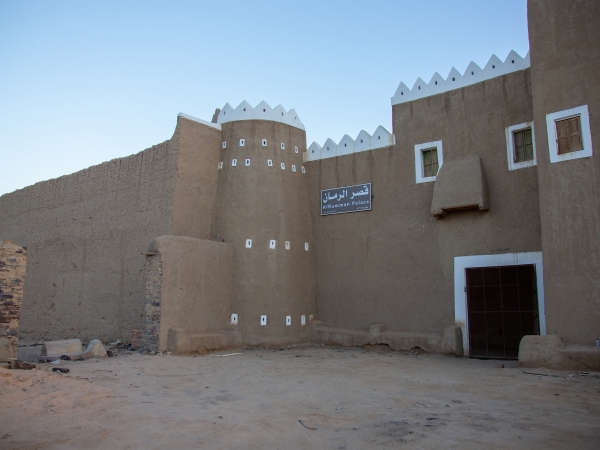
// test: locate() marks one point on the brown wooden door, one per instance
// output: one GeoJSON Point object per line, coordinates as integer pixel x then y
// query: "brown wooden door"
{"type": "Point", "coordinates": [502, 306]}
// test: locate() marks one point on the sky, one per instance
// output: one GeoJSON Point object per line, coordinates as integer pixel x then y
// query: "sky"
{"type": "Point", "coordinates": [85, 82]}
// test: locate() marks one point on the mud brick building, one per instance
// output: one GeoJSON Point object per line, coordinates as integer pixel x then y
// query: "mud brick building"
{"type": "Point", "coordinates": [472, 224]}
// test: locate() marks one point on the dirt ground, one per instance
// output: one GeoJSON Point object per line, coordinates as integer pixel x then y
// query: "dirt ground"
{"type": "Point", "coordinates": [347, 398]}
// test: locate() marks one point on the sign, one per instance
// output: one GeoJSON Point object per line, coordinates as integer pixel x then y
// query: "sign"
{"type": "Point", "coordinates": [346, 199]}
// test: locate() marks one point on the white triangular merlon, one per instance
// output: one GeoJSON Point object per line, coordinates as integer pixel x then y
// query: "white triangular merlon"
{"type": "Point", "coordinates": [262, 111]}
{"type": "Point", "coordinates": [363, 142]}
{"type": "Point", "coordinates": [473, 74]}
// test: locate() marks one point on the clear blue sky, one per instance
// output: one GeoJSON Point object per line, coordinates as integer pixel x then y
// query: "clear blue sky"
{"type": "Point", "coordinates": [82, 82]}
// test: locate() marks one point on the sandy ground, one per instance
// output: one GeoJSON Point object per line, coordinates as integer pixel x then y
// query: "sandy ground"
{"type": "Point", "coordinates": [355, 398]}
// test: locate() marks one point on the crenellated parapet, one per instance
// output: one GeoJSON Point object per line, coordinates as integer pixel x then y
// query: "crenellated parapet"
{"type": "Point", "coordinates": [363, 142]}
{"type": "Point", "coordinates": [473, 74]}
{"type": "Point", "coordinates": [262, 111]}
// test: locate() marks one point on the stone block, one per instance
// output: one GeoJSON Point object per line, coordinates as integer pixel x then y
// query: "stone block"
{"type": "Point", "coordinates": [64, 347]}
{"type": "Point", "coordinates": [7, 350]}
{"type": "Point", "coordinates": [95, 349]}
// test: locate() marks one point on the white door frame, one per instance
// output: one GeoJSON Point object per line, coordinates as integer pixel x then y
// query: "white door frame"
{"type": "Point", "coordinates": [461, 263]}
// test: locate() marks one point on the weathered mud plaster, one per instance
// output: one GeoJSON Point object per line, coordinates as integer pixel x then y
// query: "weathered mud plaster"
{"type": "Point", "coordinates": [267, 206]}
{"type": "Point", "coordinates": [551, 352]}
{"type": "Point", "coordinates": [450, 342]}
{"type": "Point", "coordinates": [194, 290]}
{"type": "Point", "coordinates": [564, 75]}
{"type": "Point", "coordinates": [460, 185]}
{"type": "Point", "coordinates": [87, 234]}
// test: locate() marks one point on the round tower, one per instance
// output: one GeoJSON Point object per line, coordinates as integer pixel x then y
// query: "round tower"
{"type": "Point", "coordinates": [262, 210]}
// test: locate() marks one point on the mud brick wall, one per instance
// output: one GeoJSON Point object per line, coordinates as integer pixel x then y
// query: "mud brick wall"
{"type": "Point", "coordinates": [13, 260]}
{"type": "Point", "coordinates": [87, 233]}
{"type": "Point", "coordinates": [153, 306]}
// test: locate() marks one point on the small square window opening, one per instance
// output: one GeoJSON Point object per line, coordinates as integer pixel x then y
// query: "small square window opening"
{"type": "Point", "coordinates": [282, 166]}
{"type": "Point", "coordinates": [293, 167]}
{"type": "Point", "coordinates": [568, 132]}
{"type": "Point", "coordinates": [282, 146]}
{"type": "Point", "coordinates": [233, 162]}
{"type": "Point", "coordinates": [523, 145]}
{"type": "Point", "coordinates": [270, 162]}
{"type": "Point", "coordinates": [264, 142]}
{"type": "Point", "coordinates": [430, 162]}
{"type": "Point", "coordinates": [295, 149]}
{"type": "Point", "coordinates": [247, 162]}
{"type": "Point", "coordinates": [224, 144]}
{"type": "Point", "coordinates": [242, 142]}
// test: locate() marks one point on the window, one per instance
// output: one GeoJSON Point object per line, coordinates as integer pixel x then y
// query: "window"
{"type": "Point", "coordinates": [282, 166]}
{"type": "Point", "coordinates": [568, 132]}
{"type": "Point", "coordinates": [523, 146]}
{"type": "Point", "coordinates": [428, 161]}
{"type": "Point", "coordinates": [220, 165]}
{"type": "Point", "coordinates": [233, 162]}
{"type": "Point", "coordinates": [247, 162]}
{"type": "Point", "coordinates": [224, 144]}
{"type": "Point", "coordinates": [242, 142]}
{"type": "Point", "coordinates": [282, 146]}
{"type": "Point", "coordinates": [270, 162]}
{"type": "Point", "coordinates": [264, 142]}
{"type": "Point", "coordinates": [569, 135]}
{"type": "Point", "coordinates": [520, 146]}
{"type": "Point", "coordinates": [293, 167]}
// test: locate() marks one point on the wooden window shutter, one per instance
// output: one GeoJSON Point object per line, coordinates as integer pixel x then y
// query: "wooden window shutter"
{"type": "Point", "coordinates": [575, 134]}
{"type": "Point", "coordinates": [569, 135]}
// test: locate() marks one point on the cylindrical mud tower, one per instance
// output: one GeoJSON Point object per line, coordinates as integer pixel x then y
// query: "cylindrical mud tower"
{"type": "Point", "coordinates": [262, 210]}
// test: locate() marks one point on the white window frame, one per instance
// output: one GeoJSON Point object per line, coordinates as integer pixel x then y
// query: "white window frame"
{"type": "Point", "coordinates": [461, 263]}
{"type": "Point", "coordinates": [586, 134]}
{"type": "Point", "coordinates": [510, 146]}
{"type": "Point", "coordinates": [242, 142]}
{"type": "Point", "coordinates": [419, 160]}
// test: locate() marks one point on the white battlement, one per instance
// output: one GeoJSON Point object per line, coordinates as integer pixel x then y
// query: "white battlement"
{"type": "Point", "coordinates": [363, 142]}
{"type": "Point", "coordinates": [195, 119]}
{"type": "Point", "coordinates": [262, 111]}
{"type": "Point", "coordinates": [474, 74]}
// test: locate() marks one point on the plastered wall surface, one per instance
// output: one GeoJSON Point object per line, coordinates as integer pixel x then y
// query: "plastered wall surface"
{"type": "Point", "coordinates": [196, 287]}
{"type": "Point", "coordinates": [86, 233]}
{"type": "Point", "coordinates": [261, 203]}
{"type": "Point", "coordinates": [394, 264]}
{"type": "Point", "coordinates": [195, 189]}
{"type": "Point", "coordinates": [565, 62]}
{"type": "Point", "coordinates": [13, 264]}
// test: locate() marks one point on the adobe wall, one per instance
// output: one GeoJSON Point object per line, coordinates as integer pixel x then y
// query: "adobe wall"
{"type": "Point", "coordinates": [393, 265]}
{"type": "Point", "coordinates": [86, 233]}
{"type": "Point", "coordinates": [565, 62]}
{"type": "Point", "coordinates": [13, 264]}
{"type": "Point", "coordinates": [262, 203]}
{"type": "Point", "coordinates": [193, 286]}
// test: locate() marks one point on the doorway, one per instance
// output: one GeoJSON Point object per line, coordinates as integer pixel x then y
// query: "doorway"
{"type": "Point", "coordinates": [502, 307]}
